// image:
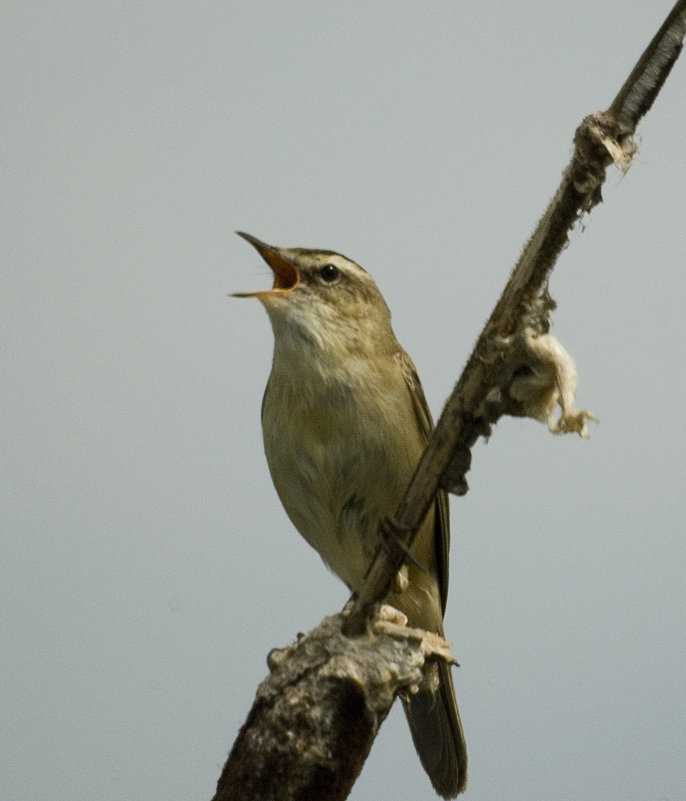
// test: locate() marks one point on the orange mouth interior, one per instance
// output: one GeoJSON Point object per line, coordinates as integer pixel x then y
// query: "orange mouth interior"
{"type": "Point", "coordinates": [285, 275]}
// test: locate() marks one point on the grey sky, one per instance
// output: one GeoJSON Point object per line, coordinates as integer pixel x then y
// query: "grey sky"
{"type": "Point", "coordinates": [147, 565]}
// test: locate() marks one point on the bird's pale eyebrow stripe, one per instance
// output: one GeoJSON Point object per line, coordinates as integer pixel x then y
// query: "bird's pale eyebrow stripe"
{"type": "Point", "coordinates": [328, 253]}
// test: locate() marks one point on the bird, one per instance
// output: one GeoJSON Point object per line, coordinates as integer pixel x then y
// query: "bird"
{"type": "Point", "coordinates": [345, 422]}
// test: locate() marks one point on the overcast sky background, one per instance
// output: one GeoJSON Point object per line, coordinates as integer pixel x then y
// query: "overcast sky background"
{"type": "Point", "coordinates": [147, 565]}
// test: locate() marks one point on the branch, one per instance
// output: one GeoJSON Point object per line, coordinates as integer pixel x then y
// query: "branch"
{"type": "Point", "coordinates": [316, 715]}
{"type": "Point", "coordinates": [516, 367]}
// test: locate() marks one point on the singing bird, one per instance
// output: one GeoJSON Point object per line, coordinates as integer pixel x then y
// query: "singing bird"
{"type": "Point", "coordinates": [345, 421]}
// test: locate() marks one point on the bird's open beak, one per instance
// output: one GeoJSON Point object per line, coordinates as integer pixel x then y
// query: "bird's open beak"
{"type": "Point", "coordinates": [286, 276]}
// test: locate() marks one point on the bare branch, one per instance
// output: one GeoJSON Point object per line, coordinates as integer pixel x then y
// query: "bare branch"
{"type": "Point", "coordinates": [506, 353]}
{"type": "Point", "coordinates": [316, 715]}
{"type": "Point", "coordinates": [641, 88]}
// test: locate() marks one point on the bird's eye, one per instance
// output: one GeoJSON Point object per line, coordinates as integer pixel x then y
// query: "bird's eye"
{"type": "Point", "coordinates": [329, 273]}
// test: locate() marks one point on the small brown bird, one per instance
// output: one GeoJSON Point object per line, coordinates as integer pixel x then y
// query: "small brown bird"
{"type": "Point", "coordinates": [345, 421]}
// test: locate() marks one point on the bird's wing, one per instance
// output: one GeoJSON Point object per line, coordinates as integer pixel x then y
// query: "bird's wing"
{"type": "Point", "coordinates": [442, 512]}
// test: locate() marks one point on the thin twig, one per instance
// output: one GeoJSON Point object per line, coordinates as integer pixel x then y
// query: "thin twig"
{"type": "Point", "coordinates": [600, 139]}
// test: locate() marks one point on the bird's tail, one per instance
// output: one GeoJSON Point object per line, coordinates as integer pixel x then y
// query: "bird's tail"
{"type": "Point", "coordinates": [437, 734]}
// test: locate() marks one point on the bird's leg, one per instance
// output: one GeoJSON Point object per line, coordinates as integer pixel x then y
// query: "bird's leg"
{"type": "Point", "coordinates": [391, 533]}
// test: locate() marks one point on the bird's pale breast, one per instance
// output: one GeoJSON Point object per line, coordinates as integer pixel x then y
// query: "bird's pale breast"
{"type": "Point", "coordinates": [340, 456]}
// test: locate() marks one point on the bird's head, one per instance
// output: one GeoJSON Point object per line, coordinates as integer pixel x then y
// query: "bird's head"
{"type": "Point", "coordinates": [323, 298]}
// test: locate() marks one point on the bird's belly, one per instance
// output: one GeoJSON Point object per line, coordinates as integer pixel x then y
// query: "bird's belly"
{"type": "Point", "coordinates": [335, 490]}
